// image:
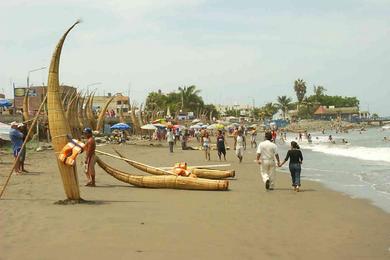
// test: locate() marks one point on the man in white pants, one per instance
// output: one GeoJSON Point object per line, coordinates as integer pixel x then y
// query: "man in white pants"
{"type": "Point", "coordinates": [266, 153]}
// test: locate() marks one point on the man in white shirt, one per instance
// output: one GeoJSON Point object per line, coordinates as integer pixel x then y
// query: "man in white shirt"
{"type": "Point", "coordinates": [170, 139]}
{"type": "Point", "coordinates": [266, 153]}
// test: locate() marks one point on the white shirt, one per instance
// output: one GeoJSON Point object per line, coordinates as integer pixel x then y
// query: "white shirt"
{"type": "Point", "coordinates": [240, 142]}
{"type": "Point", "coordinates": [170, 137]}
{"type": "Point", "coordinates": [267, 149]}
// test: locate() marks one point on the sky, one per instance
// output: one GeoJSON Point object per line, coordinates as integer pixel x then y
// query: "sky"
{"type": "Point", "coordinates": [235, 52]}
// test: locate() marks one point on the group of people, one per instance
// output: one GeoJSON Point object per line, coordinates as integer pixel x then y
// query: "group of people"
{"type": "Point", "coordinates": [267, 154]}
{"type": "Point", "coordinates": [18, 134]}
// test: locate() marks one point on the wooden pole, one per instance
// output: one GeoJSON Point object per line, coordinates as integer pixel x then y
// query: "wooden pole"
{"type": "Point", "coordinates": [23, 145]}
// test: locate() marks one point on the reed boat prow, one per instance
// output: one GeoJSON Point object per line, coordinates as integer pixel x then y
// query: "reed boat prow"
{"type": "Point", "coordinates": [58, 124]}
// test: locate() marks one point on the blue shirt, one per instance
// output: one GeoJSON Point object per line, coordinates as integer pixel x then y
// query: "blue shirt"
{"type": "Point", "coordinates": [16, 138]}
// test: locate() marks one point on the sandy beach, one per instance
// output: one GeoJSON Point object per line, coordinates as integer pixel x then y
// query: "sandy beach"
{"type": "Point", "coordinates": [126, 222]}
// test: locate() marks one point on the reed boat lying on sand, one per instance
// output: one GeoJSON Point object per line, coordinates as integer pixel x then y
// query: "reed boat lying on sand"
{"type": "Point", "coordinates": [164, 182]}
{"type": "Point", "coordinates": [204, 173]}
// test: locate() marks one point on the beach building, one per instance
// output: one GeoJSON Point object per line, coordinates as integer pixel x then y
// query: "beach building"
{"type": "Point", "coordinates": [120, 101]}
{"type": "Point", "coordinates": [36, 95]}
{"type": "Point", "coordinates": [331, 112]}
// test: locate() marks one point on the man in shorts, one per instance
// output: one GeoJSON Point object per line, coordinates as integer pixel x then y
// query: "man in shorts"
{"type": "Point", "coordinates": [90, 158]}
{"type": "Point", "coordinates": [266, 153]}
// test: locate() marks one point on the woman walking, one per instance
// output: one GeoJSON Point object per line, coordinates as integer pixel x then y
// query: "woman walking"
{"type": "Point", "coordinates": [240, 145]}
{"type": "Point", "coordinates": [296, 158]}
{"type": "Point", "coordinates": [221, 145]}
{"type": "Point", "coordinates": [206, 145]}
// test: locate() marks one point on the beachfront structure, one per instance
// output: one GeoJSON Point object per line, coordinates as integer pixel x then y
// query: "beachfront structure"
{"type": "Point", "coordinates": [36, 95]}
{"type": "Point", "coordinates": [120, 101]}
{"type": "Point", "coordinates": [331, 112]}
{"type": "Point", "coordinates": [242, 109]}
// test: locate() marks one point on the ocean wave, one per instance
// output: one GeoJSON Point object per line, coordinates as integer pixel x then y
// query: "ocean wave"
{"type": "Point", "coordinates": [358, 152]}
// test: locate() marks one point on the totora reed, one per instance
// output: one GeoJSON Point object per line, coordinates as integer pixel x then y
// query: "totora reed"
{"type": "Point", "coordinates": [58, 125]}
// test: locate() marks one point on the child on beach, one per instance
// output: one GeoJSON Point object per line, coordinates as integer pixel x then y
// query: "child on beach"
{"type": "Point", "coordinates": [296, 158]}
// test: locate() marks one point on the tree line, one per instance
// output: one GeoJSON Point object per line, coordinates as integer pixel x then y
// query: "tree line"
{"type": "Point", "coordinates": [188, 99]}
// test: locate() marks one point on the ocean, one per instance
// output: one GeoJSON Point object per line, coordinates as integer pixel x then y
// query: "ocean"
{"type": "Point", "coordinates": [359, 168]}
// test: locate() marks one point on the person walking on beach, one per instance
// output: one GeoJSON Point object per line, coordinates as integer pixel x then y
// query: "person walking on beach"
{"type": "Point", "coordinates": [206, 145]}
{"type": "Point", "coordinates": [266, 153]}
{"type": "Point", "coordinates": [90, 158]}
{"type": "Point", "coordinates": [240, 145]}
{"type": "Point", "coordinates": [253, 138]}
{"type": "Point", "coordinates": [170, 140]}
{"type": "Point", "coordinates": [17, 141]}
{"type": "Point", "coordinates": [235, 134]}
{"type": "Point", "coordinates": [221, 145]}
{"type": "Point", "coordinates": [296, 158]}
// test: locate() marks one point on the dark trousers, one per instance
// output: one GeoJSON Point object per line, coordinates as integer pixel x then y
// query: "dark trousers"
{"type": "Point", "coordinates": [171, 147]}
{"type": "Point", "coordinates": [295, 170]}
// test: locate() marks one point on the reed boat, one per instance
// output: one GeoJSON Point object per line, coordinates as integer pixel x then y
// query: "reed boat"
{"type": "Point", "coordinates": [204, 173]}
{"type": "Point", "coordinates": [102, 115]}
{"type": "Point", "coordinates": [164, 182]}
{"type": "Point", "coordinates": [58, 125]}
{"type": "Point", "coordinates": [26, 114]}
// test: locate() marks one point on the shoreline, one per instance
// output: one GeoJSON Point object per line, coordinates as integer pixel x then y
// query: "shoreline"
{"type": "Point", "coordinates": [245, 222]}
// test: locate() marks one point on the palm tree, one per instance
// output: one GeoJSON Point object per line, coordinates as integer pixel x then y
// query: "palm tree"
{"type": "Point", "coordinates": [190, 98]}
{"type": "Point", "coordinates": [300, 89]}
{"type": "Point", "coordinates": [283, 104]}
{"type": "Point", "coordinates": [269, 110]}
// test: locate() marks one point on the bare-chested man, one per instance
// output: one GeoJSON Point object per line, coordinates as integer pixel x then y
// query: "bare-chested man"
{"type": "Point", "coordinates": [90, 158]}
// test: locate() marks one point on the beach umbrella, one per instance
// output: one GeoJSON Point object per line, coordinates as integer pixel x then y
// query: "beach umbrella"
{"type": "Point", "coordinates": [195, 127]}
{"type": "Point", "coordinates": [120, 126]}
{"type": "Point", "coordinates": [149, 127]}
{"type": "Point", "coordinates": [159, 125]}
{"type": "Point", "coordinates": [5, 102]}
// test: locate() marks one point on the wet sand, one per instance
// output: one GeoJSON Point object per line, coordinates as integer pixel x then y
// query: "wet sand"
{"type": "Point", "coordinates": [126, 222]}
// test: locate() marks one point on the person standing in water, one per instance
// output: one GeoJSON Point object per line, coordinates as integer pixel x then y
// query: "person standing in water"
{"type": "Point", "coordinates": [90, 158]}
{"type": "Point", "coordinates": [296, 159]}
{"type": "Point", "coordinates": [221, 145]}
{"type": "Point", "coordinates": [240, 145]}
{"type": "Point", "coordinates": [266, 153]}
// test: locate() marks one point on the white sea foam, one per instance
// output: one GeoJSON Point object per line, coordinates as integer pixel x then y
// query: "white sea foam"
{"type": "Point", "coordinates": [358, 152]}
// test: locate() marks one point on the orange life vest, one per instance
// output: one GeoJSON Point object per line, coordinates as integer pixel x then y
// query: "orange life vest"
{"type": "Point", "coordinates": [180, 169]}
{"type": "Point", "coordinates": [70, 151]}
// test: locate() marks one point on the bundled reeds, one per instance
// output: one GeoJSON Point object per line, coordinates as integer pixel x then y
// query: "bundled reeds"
{"type": "Point", "coordinates": [167, 182]}
{"type": "Point", "coordinates": [26, 115]}
{"type": "Point", "coordinates": [204, 173]}
{"type": "Point", "coordinates": [102, 114]}
{"type": "Point", "coordinates": [58, 125]}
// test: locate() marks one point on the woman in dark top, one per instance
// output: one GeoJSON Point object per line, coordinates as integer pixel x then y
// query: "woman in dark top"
{"type": "Point", "coordinates": [296, 158]}
{"type": "Point", "coordinates": [221, 145]}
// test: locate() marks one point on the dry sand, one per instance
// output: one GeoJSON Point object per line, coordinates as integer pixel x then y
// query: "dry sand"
{"type": "Point", "coordinates": [125, 222]}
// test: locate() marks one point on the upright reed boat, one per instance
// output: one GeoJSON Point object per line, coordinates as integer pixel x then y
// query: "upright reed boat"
{"type": "Point", "coordinates": [58, 125]}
